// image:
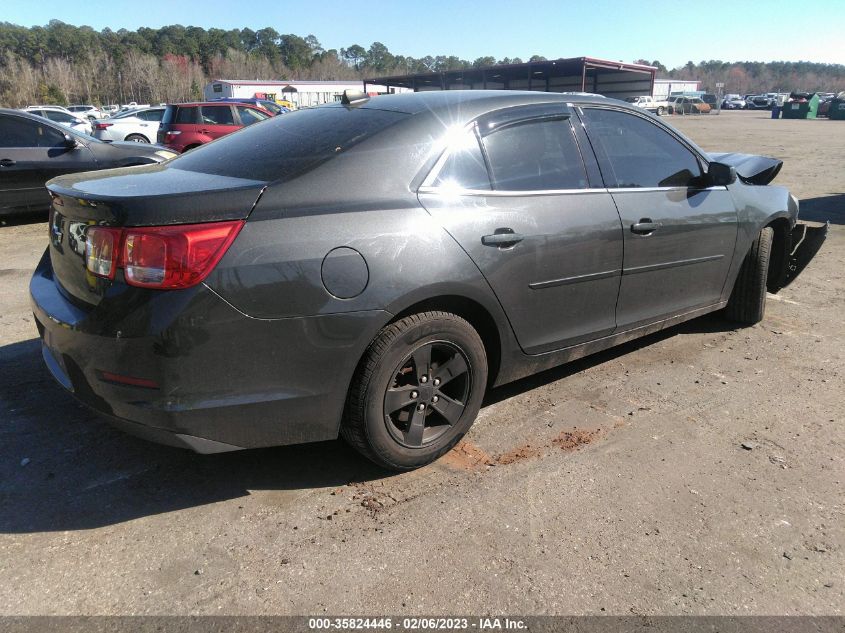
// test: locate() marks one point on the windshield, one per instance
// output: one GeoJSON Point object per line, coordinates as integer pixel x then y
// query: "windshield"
{"type": "Point", "coordinates": [270, 106]}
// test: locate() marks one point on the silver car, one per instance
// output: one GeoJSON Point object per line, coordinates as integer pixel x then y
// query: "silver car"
{"type": "Point", "coordinates": [139, 126]}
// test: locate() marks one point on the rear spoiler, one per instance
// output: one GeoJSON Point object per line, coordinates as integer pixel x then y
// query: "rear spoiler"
{"type": "Point", "coordinates": [751, 169]}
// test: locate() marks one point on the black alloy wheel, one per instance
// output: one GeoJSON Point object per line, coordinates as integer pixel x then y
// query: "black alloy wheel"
{"type": "Point", "coordinates": [417, 390]}
{"type": "Point", "coordinates": [428, 393]}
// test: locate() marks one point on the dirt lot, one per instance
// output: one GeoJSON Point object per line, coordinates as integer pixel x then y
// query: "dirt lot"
{"type": "Point", "coordinates": [618, 484]}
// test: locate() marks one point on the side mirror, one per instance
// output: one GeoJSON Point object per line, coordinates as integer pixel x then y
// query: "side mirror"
{"type": "Point", "coordinates": [720, 175]}
{"type": "Point", "coordinates": [71, 142]}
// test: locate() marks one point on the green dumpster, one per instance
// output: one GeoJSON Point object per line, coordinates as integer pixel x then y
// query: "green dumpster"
{"type": "Point", "coordinates": [837, 109]}
{"type": "Point", "coordinates": [801, 106]}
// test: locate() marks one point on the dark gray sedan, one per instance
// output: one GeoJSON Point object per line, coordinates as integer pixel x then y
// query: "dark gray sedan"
{"type": "Point", "coordinates": [34, 149]}
{"type": "Point", "coordinates": [370, 268]}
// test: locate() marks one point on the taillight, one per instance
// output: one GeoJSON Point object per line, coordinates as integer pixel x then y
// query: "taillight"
{"type": "Point", "coordinates": [166, 257]}
{"type": "Point", "coordinates": [102, 126]}
{"type": "Point", "coordinates": [102, 246]}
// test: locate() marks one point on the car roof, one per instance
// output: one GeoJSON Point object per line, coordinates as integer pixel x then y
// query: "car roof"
{"type": "Point", "coordinates": [24, 114]}
{"type": "Point", "coordinates": [201, 103]}
{"type": "Point", "coordinates": [416, 102]}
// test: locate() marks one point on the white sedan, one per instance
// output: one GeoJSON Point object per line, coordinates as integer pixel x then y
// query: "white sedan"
{"type": "Point", "coordinates": [62, 116]}
{"type": "Point", "coordinates": [140, 126]}
{"type": "Point", "coordinates": [86, 111]}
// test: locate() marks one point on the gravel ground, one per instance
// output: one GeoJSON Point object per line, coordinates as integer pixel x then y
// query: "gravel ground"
{"type": "Point", "coordinates": [697, 471]}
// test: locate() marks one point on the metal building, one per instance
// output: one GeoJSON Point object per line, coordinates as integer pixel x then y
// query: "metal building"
{"type": "Point", "coordinates": [301, 93]}
{"type": "Point", "coordinates": [578, 74]}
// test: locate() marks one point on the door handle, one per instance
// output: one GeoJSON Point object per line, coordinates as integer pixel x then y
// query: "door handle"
{"type": "Point", "coordinates": [7, 162]}
{"type": "Point", "coordinates": [645, 227]}
{"type": "Point", "coordinates": [203, 131]}
{"type": "Point", "coordinates": [502, 238]}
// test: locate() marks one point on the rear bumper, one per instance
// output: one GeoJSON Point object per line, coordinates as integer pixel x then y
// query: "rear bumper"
{"type": "Point", "coordinates": [222, 380]}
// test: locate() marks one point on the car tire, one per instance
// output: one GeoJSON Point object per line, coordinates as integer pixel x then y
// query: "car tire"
{"type": "Point", "coordinates": [431, 359]}
{"type": "Point", "coordinates": [748, 300]}
{"type": "Point", "coordinates": [137, 138]}
{"type": "Point", "coordinates": [661, 111]}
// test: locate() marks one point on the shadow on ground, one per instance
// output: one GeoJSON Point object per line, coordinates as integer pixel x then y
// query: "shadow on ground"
{"type": "Point", "coordinates": [823, 208]}
{"type": "Point", "coordinates": [81, 474]}
{"type": "Point", "coordinates": [16, 219]}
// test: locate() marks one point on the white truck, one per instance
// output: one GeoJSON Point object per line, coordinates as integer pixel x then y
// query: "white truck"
{"type": "Point", "coordinates": [649, 103]}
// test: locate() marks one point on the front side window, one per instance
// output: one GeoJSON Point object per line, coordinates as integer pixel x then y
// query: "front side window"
{"type": "Point", "coordinates": [535, 156]}
{"type": "Point", "coordinates": [15, 132]}
{"type": "Point", "coordinates": [218, 115]}
{"type": "Point", "coordinates": [638, 153]}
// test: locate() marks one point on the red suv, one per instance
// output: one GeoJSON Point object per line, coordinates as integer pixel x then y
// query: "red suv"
{"type": "Point", "coordinates": [188, 125]}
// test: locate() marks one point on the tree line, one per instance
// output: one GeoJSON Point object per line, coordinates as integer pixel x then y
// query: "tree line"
{"type": "Point", "coordinates": [60, 63]}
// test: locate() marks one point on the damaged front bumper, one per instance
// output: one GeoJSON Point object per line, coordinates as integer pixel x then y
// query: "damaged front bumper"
{"type": "Point", "coordinates": [805, 241]}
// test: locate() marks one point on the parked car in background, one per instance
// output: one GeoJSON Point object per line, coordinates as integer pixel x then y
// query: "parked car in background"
{"type": "Point", "coordinates": [824, 105]}
{"type": "Point", "coordinates": [733, 102]}
{"type": "Point", "coordinates": [270, 106]}
{"type": "Point", "coordinates": [651, 104]}
{"type": "Point", "coordinates": [88, 111]}
{"type": "Point", "coordinates": [687, 105]}
{"type": "Point", "coordinates": [110, 110]}
{"type": "Point", "coordinates": [41, 107]}
{"type": "Point", "coordinates": [370, 268]}
{"type": "Point", "coordinates": [189, 125]}
{"type": "Point", "coordinates": [137, 126]}
{"type": "Point", "coordinates": [711, 100]}
{"type": "Point", "coordinates": [62, 116]}
{"type": "Point", "coordinates": [34, 149]}
{"type": "Point", "coordinates": [762, 101]}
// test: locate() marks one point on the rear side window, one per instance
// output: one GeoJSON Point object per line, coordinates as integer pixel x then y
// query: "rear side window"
{"type": "Point", "coordinates": [187, 115]}
{"type": "Point", "coordinates": [218, 115]}
{"type": "Point", "coordinates": [284, 147]}
{"type": "Point", "coordinates": [464, 168]}
{"type": "Point", "coordinates": [535, 156]}
{"type": "Point", "coordinates": [151, 115]}
{"type": "Point", "coordinates": [60, 117]}
{"type": "Point", "coordinates": [638, 153]}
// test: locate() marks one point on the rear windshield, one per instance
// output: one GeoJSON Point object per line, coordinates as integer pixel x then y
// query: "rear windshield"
{"type": "Point", "coordinates": [285, 147]}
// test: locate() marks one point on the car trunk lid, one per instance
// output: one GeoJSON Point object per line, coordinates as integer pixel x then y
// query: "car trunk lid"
{"type": "Point", "coordinates": [153, 195]}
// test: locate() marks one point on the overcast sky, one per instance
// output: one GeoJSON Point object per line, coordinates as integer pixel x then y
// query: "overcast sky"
{"type": "Point", "coordinates": [669, 31]}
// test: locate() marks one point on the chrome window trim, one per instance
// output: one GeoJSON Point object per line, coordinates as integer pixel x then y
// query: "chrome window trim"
{"type": "Point", "coordinates": [507, 193]}
{"type": "Point", "coordinates": [653, 189]}
{"type": "Point", "coordinates": [556, 192]}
